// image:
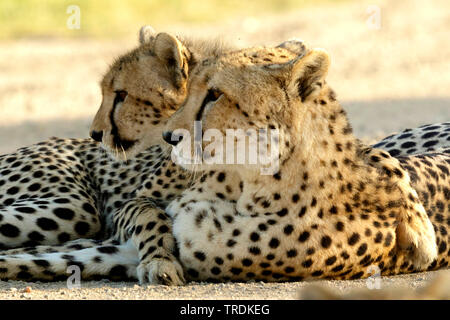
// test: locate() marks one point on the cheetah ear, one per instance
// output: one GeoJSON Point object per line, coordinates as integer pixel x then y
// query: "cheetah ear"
{"type": "Point", "coordinates": [308, 73]}
{"type": "Point", "coordinates": [294, 45]}
{"type": "Point", "coordinates": [146, 34]}
{"type": "Point", "coordinates": [174, 55]}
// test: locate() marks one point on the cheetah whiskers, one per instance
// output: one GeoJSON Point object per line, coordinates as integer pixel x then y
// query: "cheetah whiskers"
{"type": "Point", "coordinates": [124, 153]}
{"type": "Point", "coordinates": [194, 174]}
{"type": "Point", "coordinates": [116, 152]}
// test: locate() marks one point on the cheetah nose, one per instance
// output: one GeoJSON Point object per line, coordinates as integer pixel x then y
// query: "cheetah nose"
{"type": "Point", "coordinates": [171, 138]}
{"type": "Point", "coordinates": [97, 135]}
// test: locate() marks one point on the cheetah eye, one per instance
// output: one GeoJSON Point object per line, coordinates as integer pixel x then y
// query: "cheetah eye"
{"type": "Point", "coordinates": [121, 95]}
{"type": "Point", "coordinates": [212, 96]}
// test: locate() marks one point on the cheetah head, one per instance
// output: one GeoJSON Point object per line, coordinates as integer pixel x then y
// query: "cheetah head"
{"type": "Point", "coordinates": [235, 93]}
{"type": "Point", "coordinates": [140, 91]}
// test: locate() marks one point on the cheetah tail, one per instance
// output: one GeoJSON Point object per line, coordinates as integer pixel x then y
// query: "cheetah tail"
{"type": "Point", "coordinates": [114, 262]}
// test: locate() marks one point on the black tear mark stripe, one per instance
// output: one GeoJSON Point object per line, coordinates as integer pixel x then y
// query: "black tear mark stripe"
{"type": "Point", "coordinates": [118, 142]}
{"type": "Point", "coordinates": [208, 98]}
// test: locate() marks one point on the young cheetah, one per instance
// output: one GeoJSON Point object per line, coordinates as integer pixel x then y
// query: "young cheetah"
{"type": "Point", "coordinates": [333, 209]}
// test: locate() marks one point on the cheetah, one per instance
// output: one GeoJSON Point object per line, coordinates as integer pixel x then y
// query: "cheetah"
{"type": "Point", "coordinates": [334, 209]}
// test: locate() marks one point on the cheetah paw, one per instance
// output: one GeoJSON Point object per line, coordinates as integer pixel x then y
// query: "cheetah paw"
{"type": "Point", "coordinates": [159, 271]}
{"type": "Point", "coordinates": [420, 244]}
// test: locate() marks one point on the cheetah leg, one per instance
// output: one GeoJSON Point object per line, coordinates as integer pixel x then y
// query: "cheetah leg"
{"type": "Point", "coordinates": [150, 229]}
{"type": "Point", "coordinates": [49, 221]}
{"type": "Point", "coordinates": [208, 234]}
{"type": "Point", "coordinates": [115, 262]}
{"type": "Point", "coordinates": [217, 242]}
{"type": "Point", "coordinates": [416, 237]}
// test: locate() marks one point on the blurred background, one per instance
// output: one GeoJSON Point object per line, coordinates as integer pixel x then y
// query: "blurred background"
{"type": "Point", "coordinates": [390, 59]}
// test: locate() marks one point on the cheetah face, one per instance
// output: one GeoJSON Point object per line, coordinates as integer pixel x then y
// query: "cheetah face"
{"type": "Point", "coordinates": [233, 93]}
{"type": "Point", "coordinates": [140, 92]}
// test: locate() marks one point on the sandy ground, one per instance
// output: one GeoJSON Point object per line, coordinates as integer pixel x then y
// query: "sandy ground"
{"type": "Point", "coordinates": [388, 79]}
{"type": "Point", "coordinates": [203, 291]}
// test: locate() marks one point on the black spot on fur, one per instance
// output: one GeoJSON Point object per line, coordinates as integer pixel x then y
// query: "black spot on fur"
{"type": "Point", "coordinates": [10, 231]}
{"type": "Point", "coordinates": [108, 249]}
{"type": "Point", "coordinates": [200, 255]}
{"type": "Point", "coordinates": [354, 238]}
{"type": "Point", "coordinates": [64, 213]}
{"type": "Point", "coordinates": [82, 228]}
{"type": "Point", "coordinates": [47, 224]}
{"type": "Point", "coordinates": [326, 242]}
{"type": "Point", "coordinates": [41, 263]}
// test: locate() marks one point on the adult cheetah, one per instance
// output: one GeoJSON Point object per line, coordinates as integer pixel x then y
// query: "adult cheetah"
{"type": "Point", "coordinates": [334, 209]}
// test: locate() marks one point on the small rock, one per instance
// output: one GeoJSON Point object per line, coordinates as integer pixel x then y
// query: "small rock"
{"type": "Point", "coordinates": [28, 289]}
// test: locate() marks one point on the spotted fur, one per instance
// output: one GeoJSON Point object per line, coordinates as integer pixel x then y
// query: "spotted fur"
{"type": "Point", "coordinates": [427, 138]}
